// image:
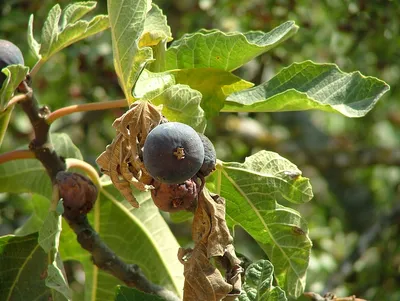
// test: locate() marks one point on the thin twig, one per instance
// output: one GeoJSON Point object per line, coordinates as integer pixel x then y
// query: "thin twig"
{"type": "Point", "coordinates": [17, 155]}
{"type": "Point", "coordinates": [104, 105]}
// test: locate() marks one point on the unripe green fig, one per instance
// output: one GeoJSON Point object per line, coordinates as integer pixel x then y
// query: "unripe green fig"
{"type": "Point", "coordinates": [173, 153]}
{"type": "Point", "coordinates": [9, 55]}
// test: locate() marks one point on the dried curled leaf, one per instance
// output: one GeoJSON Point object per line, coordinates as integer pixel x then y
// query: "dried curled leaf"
{"type": "Point", "coordinates": [121, 160]}
{"type": "Point", "coordinates": [203, 281]}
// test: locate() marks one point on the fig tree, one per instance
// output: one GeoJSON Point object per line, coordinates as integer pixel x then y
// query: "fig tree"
{"type": "Point", "coordinates": [173, 153]}
{"type": "Point", "coordinates": [9, 55]}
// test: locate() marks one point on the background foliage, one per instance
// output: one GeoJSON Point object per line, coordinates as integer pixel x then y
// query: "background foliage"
{"type": "Point", "coordinates": [353, 163]}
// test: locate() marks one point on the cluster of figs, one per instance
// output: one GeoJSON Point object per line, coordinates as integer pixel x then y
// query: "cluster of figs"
{"type": "Point", "coordinates": [178, 158]}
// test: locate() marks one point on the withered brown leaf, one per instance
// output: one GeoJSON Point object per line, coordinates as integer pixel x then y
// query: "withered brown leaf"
{"type": "Point", "coordinates": [203, 281]}
{"type": "Point", "coordinates": [121, 160]}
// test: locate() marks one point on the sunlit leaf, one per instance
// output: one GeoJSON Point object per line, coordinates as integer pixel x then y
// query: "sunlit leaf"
{"type": "Point", "coordinates": [156, 28]}
{"type": "Point", "coordinates": [56, 34]}
{"type": "Point", "coordinates": [127, 18]}
{"type": "Point", "coordinates": [214, 85]}
{"type": "Point", "coordinates": [50, 31]}
{"type": "Point", "coordinates": [75, 11]}
{"type": "Point", "coordinates": [307, 86]}
{"type": "Point", "coordinates": [251, 190]}
{"type": "Point", "coordinates": [34, 46]}
{"type": "Point", "coordinates": [181, 103]}
{"type": "Point", "coordinates": [227, 51]}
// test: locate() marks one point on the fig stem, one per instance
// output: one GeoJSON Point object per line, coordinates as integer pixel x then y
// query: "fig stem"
{"type": "Point", "coordinates": [16, 99]}
{"type": "Point", "coordinates": [36, 68]}
{"type": "Point", "coordinates": [17, 155]}
{"type": "Point", "coordinates": [85, 167]}
{"type": "Point", "coordinates": [97, 106]}
{"type": "Point", "coordinates": [180, 153]}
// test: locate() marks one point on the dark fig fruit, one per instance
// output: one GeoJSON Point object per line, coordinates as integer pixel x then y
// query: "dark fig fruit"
{"type": "Point", "coordinates": [210, 157]}
{"type": "Point", "coordinates": [78, 193]}
{"type": "Point", "coordinates": [9, 55]}
{"type": "Point", "coordinates": [175, 197]}
{"type": "Point", "coordinates": [173, 153]}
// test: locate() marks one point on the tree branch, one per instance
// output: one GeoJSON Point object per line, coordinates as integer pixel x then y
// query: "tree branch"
{"type": "Point", "coordinates": [43, 150]}
{"type": "Point", "coordinates": [108, 261]}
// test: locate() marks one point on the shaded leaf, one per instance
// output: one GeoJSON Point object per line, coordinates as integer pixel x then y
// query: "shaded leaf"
{"type": "Point", "coordinates": [306, 86]}
{"type": "Point", "coordinates": [251, 190]}
{"type": "Point", "coordinates": [124, 293]}
{"type": "Point", "coordinates": [258, 285]}
{"type": "Point", "coordinates": [180, 216]}
{"type": "Point", "coordinates": [139, 236]}
{"type": "Point", "coordinates": [23, 268]}
{"type": "Point", "coordinates": [39, 208]}
{"type": "Point", "coordinates": [49, 240]}
{"type": "Point", "coordinates": [214, 84]}
{"type": "Point", "coordinates": [227, 51]}
{"type": "Point", "coordinates": [127, 19]}
{"type": "Point", "coordinates": [28, 175]}
{"type": "Point", "coordinates": [5, 117]}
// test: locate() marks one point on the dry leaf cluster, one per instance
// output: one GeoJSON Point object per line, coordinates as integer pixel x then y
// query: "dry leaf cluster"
{"type": "Point", "coordinates": [213, 242]}
{"type": "Point", "coordinates": [211, 269]}
{"type": "Point", "coordinates": [121, 160]}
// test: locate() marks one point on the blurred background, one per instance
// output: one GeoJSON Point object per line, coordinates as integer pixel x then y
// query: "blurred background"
{"type": "Point", "coordinates": [353, 164]}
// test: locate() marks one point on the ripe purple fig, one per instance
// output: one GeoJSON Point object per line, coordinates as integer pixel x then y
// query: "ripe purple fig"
{"type": "Point", "coordinates": [10, 54]}
{"type": "Point", "coordinates": [173, 153]}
